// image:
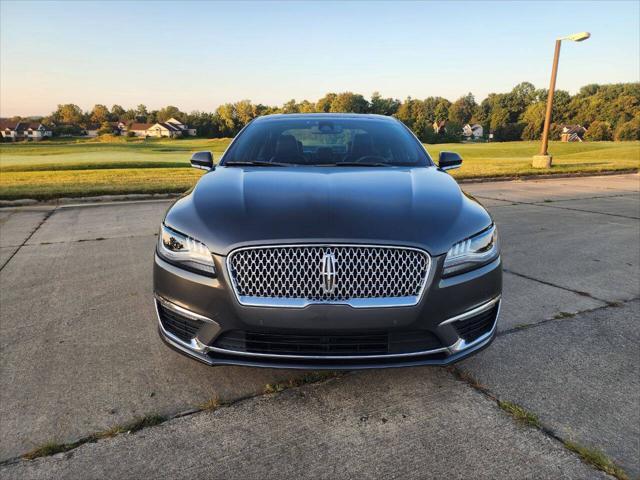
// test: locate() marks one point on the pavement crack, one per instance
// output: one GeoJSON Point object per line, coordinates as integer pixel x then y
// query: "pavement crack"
{"type": "Point", "coordinates": [96, 239]}
{"type": "Point", "coordinates": [152, 420]}
{"type": "Point", "coordinates": [563, 316]}
{"type": "Point", "coordinates": [44, 219]}
{"type": "Point", "coordinates": [528, 419]}
{"type": "Point", "coordinates": [511, 202]}
{"type": "Point", "coordinates": [594, 197]}
{"type": "Point", "coordinates": [550, 284]}
{"type": "Point", "coordinates": [548, 205]}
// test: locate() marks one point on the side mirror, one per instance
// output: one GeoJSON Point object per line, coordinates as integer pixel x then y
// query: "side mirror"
{"type": "Point", "coordinates": [202, 160]}
{"type": "Point", "coordinates": [449, 160]}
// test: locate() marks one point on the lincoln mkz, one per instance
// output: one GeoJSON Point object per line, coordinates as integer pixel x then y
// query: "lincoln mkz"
{"type": "Point", "coordinates": [327, 241]}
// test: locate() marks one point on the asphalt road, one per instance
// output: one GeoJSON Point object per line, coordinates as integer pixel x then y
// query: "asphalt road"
{"type": "Point", "coordinates": [80, 354]}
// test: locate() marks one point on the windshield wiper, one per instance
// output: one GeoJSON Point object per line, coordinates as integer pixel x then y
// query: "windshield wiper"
{"type": "Point", "coordinates": [358, 164]}
{"type": "Point", "coordinates": [259, 163]}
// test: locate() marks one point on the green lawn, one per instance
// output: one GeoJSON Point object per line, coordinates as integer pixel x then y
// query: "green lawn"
{"type": "Point", "coordinates": [514, 158]}
{"type": "Point", "coordinates": [59, 168]}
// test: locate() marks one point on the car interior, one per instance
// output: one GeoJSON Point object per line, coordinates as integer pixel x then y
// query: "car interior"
{"type": "Point", "coordinates": [327, 144]}
{"type": "Point", "coordinates": [290, 150]}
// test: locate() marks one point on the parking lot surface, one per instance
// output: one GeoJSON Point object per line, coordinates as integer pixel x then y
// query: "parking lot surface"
{"type": "Point", "coordinates": [80, 354]}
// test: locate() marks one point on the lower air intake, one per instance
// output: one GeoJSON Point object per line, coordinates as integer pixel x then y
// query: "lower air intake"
{"type": "Point", "coordinates": [338, 344]}
{"type": "Point", "coordinates": [182, 327]}
{"type": "Point", "coordinates": [473, 328]}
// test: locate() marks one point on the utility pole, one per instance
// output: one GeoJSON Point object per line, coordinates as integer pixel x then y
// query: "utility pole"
{"type": "Point", "coordinates": [543, 159]}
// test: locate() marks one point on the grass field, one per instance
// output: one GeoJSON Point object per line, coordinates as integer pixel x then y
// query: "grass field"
{"type": "Point", "coordinates": [69, 168]}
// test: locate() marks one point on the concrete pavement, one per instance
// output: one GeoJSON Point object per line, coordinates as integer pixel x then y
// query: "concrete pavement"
{"type": "Point", "coordinates": [421, 424]}
{"type": "Point", "coordinates": [580, 374]}
{"type": "Point", "coordinates": [80, 353]}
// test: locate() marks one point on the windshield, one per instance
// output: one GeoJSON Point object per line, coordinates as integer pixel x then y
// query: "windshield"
{"type": "Point", "coordinates": [326, 142]}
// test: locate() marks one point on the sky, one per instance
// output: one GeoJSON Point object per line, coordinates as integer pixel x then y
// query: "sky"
{"type": "Point", "coordinates": [197, 55]}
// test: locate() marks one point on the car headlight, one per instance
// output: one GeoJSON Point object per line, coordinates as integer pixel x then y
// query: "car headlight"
{"type": "Point", "coordinates": [472, 252]}
{"type": "Point", "coordinates": [185, 252]}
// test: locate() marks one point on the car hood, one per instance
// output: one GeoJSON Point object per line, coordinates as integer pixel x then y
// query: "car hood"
{"type": "Point", "coordinates": [235, 206]}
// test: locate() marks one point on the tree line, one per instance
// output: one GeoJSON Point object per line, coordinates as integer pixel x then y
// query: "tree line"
{"type": "Point", "coordinates": [608, 112]}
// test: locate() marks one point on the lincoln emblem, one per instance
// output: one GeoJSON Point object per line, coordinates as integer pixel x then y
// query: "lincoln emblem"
{"type": "Point", "coordinates": [328, 272]}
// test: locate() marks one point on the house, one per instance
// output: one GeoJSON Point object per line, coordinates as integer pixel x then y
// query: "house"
{"type": "Point", "coordinates": [9, 129]}
{"type": "Point", "coordinates": [171, 128]}
{"type": "Point", "coordinates": [37, 131]}
{"type": "Point", "coordinates": [24, 130]}
{"type": "Point", "coordinates": [186, 131]}
{"type": "Point", "coordinates": [439, 126]}
{"type": "Point", "coordinates": [164, 129]}
{"type": "Point", "coordinates": [473, 132]}
{"type": "Point", "coordinates": [91, 130]}
{"type": "Point", "coordinates": [139, 129]}
{"type": "Point", "coordinates": [119, 128]}
{"type": "Point", "coordinates": [572, 133]}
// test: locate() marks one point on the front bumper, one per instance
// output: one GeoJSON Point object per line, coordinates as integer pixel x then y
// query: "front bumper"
{"type": "Point", "coordinates": [210, 307]}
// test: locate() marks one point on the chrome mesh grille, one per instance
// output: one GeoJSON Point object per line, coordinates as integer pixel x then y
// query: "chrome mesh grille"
{"type": "Point", "coordinates": [361, 272]}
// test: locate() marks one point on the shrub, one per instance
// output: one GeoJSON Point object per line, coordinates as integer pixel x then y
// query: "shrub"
{"type": "Point", "coordinates": [108, 138]}
{"type": "Point", "coordinates": [530, 132]}
{"type": "Point", "coordinates": [105, 129]}
{"type": "Point", "coordinates": [427, 134]}
{"type": "Point", "coordinates": [131, 134]}
{"type": "Point", "coordinates": [453, 133]}
{"type": "Point", "coordinates": [67, 130]}
{"type": "Point", "coordinates": [509, 132]}
{"type": "Point", "coordinates": [555, 131]}
{"type": "Point", "coordinates": [598, 131]}
{"type": "Point", "coordinates": [629, 130]}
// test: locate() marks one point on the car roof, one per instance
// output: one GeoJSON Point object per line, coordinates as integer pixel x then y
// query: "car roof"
{"type": "Point", "coordinates": [310, 116]}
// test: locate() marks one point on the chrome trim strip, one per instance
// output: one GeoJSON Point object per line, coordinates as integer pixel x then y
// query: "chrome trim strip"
{"type": "Point", "coordinates": [461, 344]}
{"type": "Point", "coordinates": [473, 312]}
{"type": "Point", "coordinates": [201, 167]}
{"type": "Point", "coordinates": [382, 302]}
{"type": "Point", "coordinates": [182, 311]}
{"type": "Point", "coordinates": [385, 302]}
{"type": "Point", "coordinates": [328, 357]}
{"type": "Point", "coordinates": [194, 347]}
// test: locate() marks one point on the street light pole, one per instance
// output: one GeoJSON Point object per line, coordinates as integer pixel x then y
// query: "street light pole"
{"type": "Point", "coordinates": [552, 88]}
{"type": "Point", "coordinates": [543, 159]}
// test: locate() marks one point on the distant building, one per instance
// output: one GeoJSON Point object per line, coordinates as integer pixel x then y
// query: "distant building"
{"type": "Point", "coordinates": [171, 128]}
{"type": "Point", "coordinates": [187, 131]}
{"type": "Point", "coordinates": [37, 131]}
{"type": "Point", "coordinates": [164, 129]}
{"type": "Point", "coordinates": [474, 131]}
{"type": "Point", "coordinates": [572, 133]}
{"type": "Point", "coordinates": [118, 128]}
{"type": "Point", "coordinates": [24, 130]}
{"type": "Point", "coordinates": [440, 127]}
{"type": "Point", "coordinates": [9, 129]}
{"type": "Point", "coordinates": [91, 130]}
{"type": "Point", "coordinates": [139, 129]}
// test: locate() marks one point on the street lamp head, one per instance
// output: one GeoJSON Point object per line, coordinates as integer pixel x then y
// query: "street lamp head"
{"type": "Point", "coordinates": [577, 37]}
